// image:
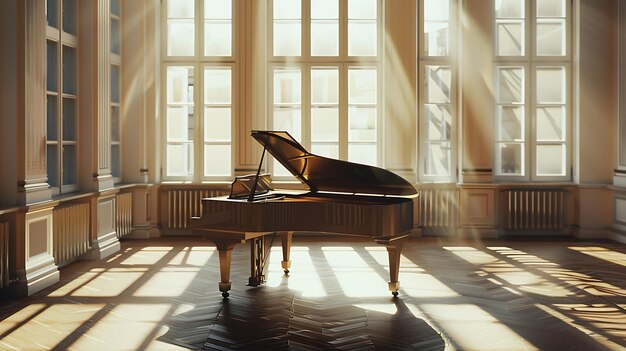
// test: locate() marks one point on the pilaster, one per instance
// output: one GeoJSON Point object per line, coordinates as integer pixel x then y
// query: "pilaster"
{"type": "Point", "coordinates": [252, 65]}
{"type": "Point", "coordinates": [400, 84]}
{"type": "Point", "coordinates": [477, 113]}
{"type": "Point", "coordinates": [597, 96]}
{"type": "Point", "coordinates": [101, 46]}
{"type": "Point", "coordinates": [32, 178]}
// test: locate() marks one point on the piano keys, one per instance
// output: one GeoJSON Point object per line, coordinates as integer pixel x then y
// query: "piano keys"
{"type": "Point", "coordinates": [342, 198]}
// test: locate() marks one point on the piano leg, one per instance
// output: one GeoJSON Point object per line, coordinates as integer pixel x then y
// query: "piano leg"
{"type": "Point", "coordinates": [225, 250]}
{"type": "Point", "coordinates": [394, 249]}
{"type": "Point", "coordinates": [286, 243]}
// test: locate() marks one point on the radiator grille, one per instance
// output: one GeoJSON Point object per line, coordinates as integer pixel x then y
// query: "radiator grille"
{"type": "Point", "coordinates": [184, 204]}
{"type": "Point", "coordinates": [70, 232]}
{"type": "Point", "coordinates": [4, 254]}
{"type": "Point", "coordinates": [535, 209]}
{"type": "Point", "coordinates": [123, 214]}
{"type": "Point", "coordinates": [438, 208]}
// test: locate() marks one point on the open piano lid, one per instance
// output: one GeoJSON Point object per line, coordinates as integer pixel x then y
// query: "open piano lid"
{"type": "Point", "coordinates": [327, 174]}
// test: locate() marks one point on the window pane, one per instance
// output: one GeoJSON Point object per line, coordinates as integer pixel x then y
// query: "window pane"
{"type": "Point", "coordinates": [436, 10]}
{"type": "Point", "coordinates": [180, 9]}
{"type": "Point", "coordinates": [69, 164]}
{"type": "Point", "coordinates": [287, 9]}
{"type": "Point", "coordinates": [217, 86]}
{"type": "Point", "coordinates": [510, 8]}
{"type": "Point", "coordinates": [180, 159]}
{"type": "Point", "coordinates": [551, 38]}
{"type": "Point", "coordinates": [551, 85]}
{"type": "Point", "coordinates": [362, 38]}
{"type": "Point", "coordinates": [115, 7]}
{"type": "Point", "coordinates": [52, 118]}
{"type": "Point", "coordinates": [436, 38]}
{"type": "Point", "coordinates": [180, 37]}
{"type": "Point", "coordinates": [439, 122]}
{"type": "Point", "coordinates": [361, 86]}
{"type": "Point", "coordinates": [324, 124]}
{"type": "Point", "coordinates": [115, 161]}
{"type": "Point", "coordinates": [51, 66]}
{"type": "Point", "coordinates": [287, 86]}
{"type": "Point", "coordinates": [115, 83]}
{"type": "Point", "coordinates": [327, 150]}
{"type": "Point", "coordinates": [69, 119]}
{"type": "Point", "coordinates": [52, 13]}
{"type": "Point", "coordinates": [218, 38]}
{"type": "Point", "coordinates": [510, 38]}
{"type": "Point", "coordinates": [550, 8]}
{"type": "Point", "coordinates": [324, 86]}
{"type": "Point", "coordinates": [69, 16]}
{"type": "Point", "coordinates": [437, 159]}
{"type": "Point", "coordinates": [53, 165]}
{"type": "Point", "coordinates": [511, 159]}
{"type": "Point", "coordinates": [69, 70]}
{"type": "Point", "coordinates": [218, 9]}
{"type": "Point", "coordinates": [288, 119]}
{"type": "Point", "coordinates": [551, 123]}
{"type": "Point", "coordinates": [511, 85]}
{"type": "Point", "coordinates": [362, 153]}
{"type": "Point", "coordinates": [324, 38]}
{"type": "Point", "coordinates": [287, 38]}
{"type": "Point", "coordinates": [178, 128]}
{"type": "Point", "coordinates": [115, 36]}
{"type": "Point", "coordinates": [325, 9]}
{"type": "Point", "coordinates": [179, 84]}
{"type": "Point", "coordinates": [362, 123]}
{"type": "Point", "coordinates": [362, 9]}
{"type": "Point", "coordinates": [511, 126]}
{"type": "Point", "coordinates": [115, 123]}
{"type": "Point", "coordinates": [217, 160]}
{"type": "Point", "coordinates": [550, 160]}
{"type": "Point", "coordinates": [438, 79]}
{"type": "Point", "coordinates": [217, 124]}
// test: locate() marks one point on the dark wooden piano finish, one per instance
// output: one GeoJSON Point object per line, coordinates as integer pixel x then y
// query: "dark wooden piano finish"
{"type": "Point", "coordinates": [234, 219]}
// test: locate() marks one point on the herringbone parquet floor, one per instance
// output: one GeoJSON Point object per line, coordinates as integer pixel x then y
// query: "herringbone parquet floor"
{"type": "Point", "coordinates": [455, 295]}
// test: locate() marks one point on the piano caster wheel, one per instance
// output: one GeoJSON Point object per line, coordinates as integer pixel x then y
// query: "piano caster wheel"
{"type": "Point", "coordinates": [225, 294]}
{"type": "Point", "coordinates": [394, 293]}
{"type": "Point", "coordinates": [287, 271]}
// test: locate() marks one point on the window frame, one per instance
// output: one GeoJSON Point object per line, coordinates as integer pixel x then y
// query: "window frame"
{"type": "Point", "coordinates": [424, 60]}
{"type": "Point", "coordinates": [530, 61]}
{"type": "Point", "coordinates": [116, 60]}
{"type": "Point", "coordinates": [62, 39]}
{"type": "Point", "coordinates": [342, 62]}
{"type": "Point", "coordinates": [199, 61]}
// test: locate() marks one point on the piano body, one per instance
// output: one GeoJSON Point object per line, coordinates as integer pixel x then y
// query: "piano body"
{"type": "Point", "coordinates": [343, 198]}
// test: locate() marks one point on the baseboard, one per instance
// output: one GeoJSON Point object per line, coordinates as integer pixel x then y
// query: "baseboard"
{"type": "Point", "coordinates": [144, 232]}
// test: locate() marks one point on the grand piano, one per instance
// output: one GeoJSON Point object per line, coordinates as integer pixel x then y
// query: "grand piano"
{"type": "Point", "coordinates": [342, 198]}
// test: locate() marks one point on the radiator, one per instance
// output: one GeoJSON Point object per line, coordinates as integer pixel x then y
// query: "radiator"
{"type": "Point", "coordinates": [534, 209]}
{"type": "Point", "coordinates": [186, 203]}
{"type": "Point", "coordinates": [438, 208]}
{"type": "Point", "coordinates": [123, 214]}
{"type": "Point", "coordinates": [70, 232]}
{"type": "Point", "coordinates": [4, 254]}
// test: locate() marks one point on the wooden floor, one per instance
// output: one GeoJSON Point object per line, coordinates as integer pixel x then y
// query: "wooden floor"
{"type": "Point", "coordinates": [489, 295]}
